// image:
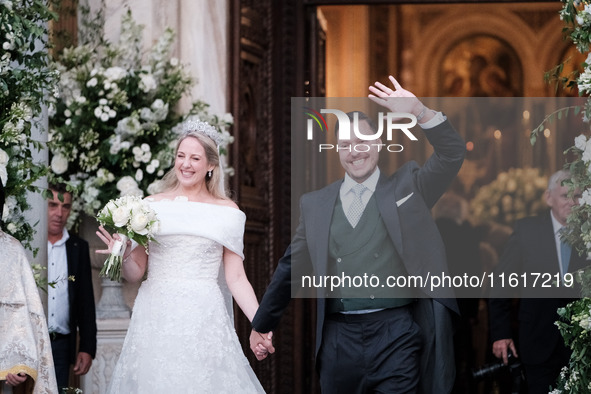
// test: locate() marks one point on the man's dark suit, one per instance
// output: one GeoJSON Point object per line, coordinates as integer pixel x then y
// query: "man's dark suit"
{"type": "Point", "coordinates": [81, 298]}
{"type": "Point", "coordinates": [532, 249]}
{"type": "Point", "coordinates": [404, 201]}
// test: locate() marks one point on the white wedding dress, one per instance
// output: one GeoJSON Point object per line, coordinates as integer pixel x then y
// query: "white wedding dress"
{"type": "Point", "coordinates": [181, 338]}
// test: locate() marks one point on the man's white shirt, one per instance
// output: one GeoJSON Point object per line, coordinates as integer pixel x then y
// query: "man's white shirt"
{"type": "Point", "coordinates": [58, 305]}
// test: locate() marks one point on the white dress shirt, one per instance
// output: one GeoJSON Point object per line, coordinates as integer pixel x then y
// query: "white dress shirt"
{"type": "Point", "coordinates": [58, 305]}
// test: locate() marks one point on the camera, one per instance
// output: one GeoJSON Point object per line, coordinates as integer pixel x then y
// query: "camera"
{"type": "Point", "coordinates": [513, 367]}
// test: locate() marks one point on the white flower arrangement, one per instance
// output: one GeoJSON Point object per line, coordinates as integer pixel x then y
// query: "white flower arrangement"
{"type": "Point", "coordinates": [575, 318]}
{"type": "Point", "coordinates": [131, 218]}
{"type": "Point", "coordinates": [513, 195]}
{"type": "Point", "coordinates": [112, 126]}
{"type": "Point", "coordinates": [25, 79]}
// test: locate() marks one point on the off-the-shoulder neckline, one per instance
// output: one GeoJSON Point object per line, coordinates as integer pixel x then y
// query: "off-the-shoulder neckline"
{"type": "Point", "coordinates": [186, 199]}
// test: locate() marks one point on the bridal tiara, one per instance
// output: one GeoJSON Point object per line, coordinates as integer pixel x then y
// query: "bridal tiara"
{"type": "Point", "coordinates": [203, 128]}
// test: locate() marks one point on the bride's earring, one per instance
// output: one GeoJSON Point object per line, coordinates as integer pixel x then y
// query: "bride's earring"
{"type": "Point", "coordinates": [209, 174]}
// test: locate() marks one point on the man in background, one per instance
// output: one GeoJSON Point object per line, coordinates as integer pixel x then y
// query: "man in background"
{"type": "Point", "coordinates": [71, 307]}
{"type": "Point", "coordinates": [535, 247]}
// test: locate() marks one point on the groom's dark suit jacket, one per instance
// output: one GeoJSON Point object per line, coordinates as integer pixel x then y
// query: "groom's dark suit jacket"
{"type": "Point", "coordinates": [404, 201]}
{"type": "Point", "coordinates": [81, 298]}
{"type": "Point", "coordinates": [531, 249]}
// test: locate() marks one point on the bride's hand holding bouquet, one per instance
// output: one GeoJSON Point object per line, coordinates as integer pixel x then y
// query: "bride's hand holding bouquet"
{"type": "Point", "coordinates": [131, 219]}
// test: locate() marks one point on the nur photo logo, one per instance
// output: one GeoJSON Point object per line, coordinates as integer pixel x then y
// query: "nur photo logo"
{"type": "Point", "coordinates": [348, 129]}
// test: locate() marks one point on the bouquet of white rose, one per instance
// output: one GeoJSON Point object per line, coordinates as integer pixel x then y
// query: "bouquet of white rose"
{"type": "Point", "coordinates": [131, 218]}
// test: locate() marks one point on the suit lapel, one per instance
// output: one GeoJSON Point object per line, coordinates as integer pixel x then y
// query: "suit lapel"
{"type": "Point", "coordinates": [386, 201]}
{"type": "Point", "coordinates": [71, 247]}
{"type": "Point", "coordinates": [322, 219]}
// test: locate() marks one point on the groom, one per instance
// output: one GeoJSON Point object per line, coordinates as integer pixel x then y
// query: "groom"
{"type": "Point", "coordinates": [372, 342]}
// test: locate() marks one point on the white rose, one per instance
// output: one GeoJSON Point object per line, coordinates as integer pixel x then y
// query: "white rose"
{"type": "Point", "coordinates": [146, 114]}
{"type": "Point", "coordinates": [147, 83]}
{"type": "Point", "coordinates": [115, 73]}
{"type": "Point", "coordinates": [105, 116]}
{"type": "Point", "coordinates": [126, 184]}
{"type": "Point", "coordinates": [155, 187]}
{"type": "Point", "coordinates": [139, 175]}
{"type": "Point", "coordinates": [11, 227]}
{"type": "Point", "coordinates": [120, 216]}
{"type": "Point", "coordinates": [585, 197]}
{"type": "Point", "coordinates": [138, 223]}
{"type": "Point", "coordinates": [110, 207]}
{"type": "Point", "coordinates": [59, 164]}
{"type": "Point", "coordinates": [98, 112]}
{"type": "Point", "coordinates": [91, 82]}
{"type": "Point", "coordinates": [581, 142]}
{"type": "Point", "coordinates": [227, 118]}
{"type": "Point", "coordinates": [157, 104]}
{"type": "Point", "coordinates": [174, 62]}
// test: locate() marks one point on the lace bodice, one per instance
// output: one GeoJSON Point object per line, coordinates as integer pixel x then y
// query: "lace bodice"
{"type": "Point", "coordinates": [184, 257]}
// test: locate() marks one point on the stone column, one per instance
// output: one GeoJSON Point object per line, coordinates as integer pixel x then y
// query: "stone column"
{"type": "Point", "coordinates": [37, 215]}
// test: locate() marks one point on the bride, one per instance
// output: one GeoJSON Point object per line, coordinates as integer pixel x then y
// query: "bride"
{"type": "Point", "coordinates": [181, 337]}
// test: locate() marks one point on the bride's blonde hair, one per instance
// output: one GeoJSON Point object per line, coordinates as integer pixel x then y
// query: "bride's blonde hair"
{"type": "Point", "coordinates": [215, 183]}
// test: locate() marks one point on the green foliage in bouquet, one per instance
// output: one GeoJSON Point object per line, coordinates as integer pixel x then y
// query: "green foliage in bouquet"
{"type": "Point", "coordinates": [26, 78]}
{"type": "Point", "coordinates": [113, 127]}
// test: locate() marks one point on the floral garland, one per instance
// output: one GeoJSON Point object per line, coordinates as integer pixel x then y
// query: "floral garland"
{"type": "Point", "coordinates": [513, 195]}
{"type": "Point", "coordinates": [25, 79]}
{"type": "Point", "coordinates": [113, 128]}
{"type": "Point", "coordinates": [575, 319]}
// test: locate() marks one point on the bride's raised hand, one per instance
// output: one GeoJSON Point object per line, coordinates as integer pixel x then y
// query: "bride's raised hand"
{"type": "Point", "coordinates": [109, 241]}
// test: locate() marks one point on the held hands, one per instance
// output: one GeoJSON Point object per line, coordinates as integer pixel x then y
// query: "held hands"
{"type": "Point", "coordinates": [500, 349]}
{"type": "Point", "coordinates": [399, 100]}
{"type": "Point", "coordinates": [261, 344]}
{"type": "Point", "coordinates": [109, 241]}
{"type": "Point", "coordinates": [15, 379]}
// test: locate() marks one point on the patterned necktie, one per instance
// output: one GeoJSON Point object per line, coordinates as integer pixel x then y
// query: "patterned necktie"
{"type": "Point", "coordinates": [565, 251]}
{"type": "Point", "coordinates": [356, 209]}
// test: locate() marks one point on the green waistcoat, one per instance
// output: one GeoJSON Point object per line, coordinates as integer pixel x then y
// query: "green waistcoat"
{"type": "Point", "coordinates": [356, 255]}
